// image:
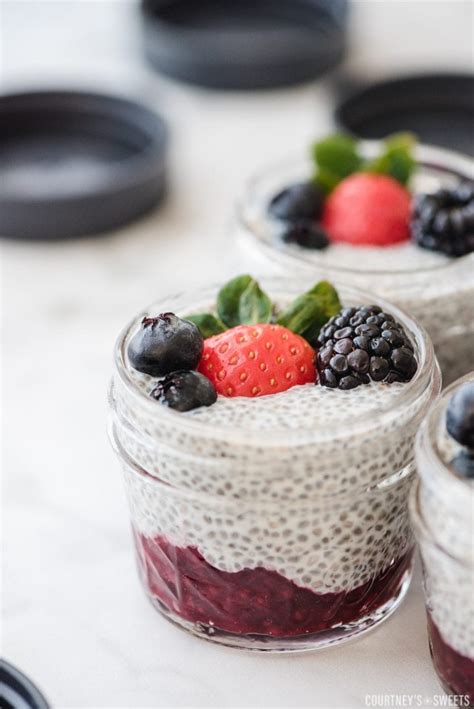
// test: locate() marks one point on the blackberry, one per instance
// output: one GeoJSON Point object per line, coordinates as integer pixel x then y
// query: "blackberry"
{"type": "Point", "coordinates": [444, 221]}
{"type": "Point", "coordinates": [305, 233]}
{"type": "Point", "coordinates": [185, 390]}
{"type": "Point", "coordinates": [303, 200]}
{"type": "Point", "coordinates": [362, 344]}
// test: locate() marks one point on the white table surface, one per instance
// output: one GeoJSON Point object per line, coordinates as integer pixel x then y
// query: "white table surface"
{"type": "Point", "coordinates": [73, 614]}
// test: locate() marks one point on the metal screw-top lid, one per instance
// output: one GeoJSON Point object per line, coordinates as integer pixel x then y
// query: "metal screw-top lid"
{"type": "Point", "coordinates": [244, 44]}
{"type": "Point", "coordinates": [17, 691]}
{"type": "Point", "coordinates": [438, 108]}
{"type": "Point", "coordinates": [74, 163]}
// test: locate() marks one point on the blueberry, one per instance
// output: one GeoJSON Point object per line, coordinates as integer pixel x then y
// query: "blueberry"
{"type": "Point", "coordinates": [303, 200]}
{"type": "Point", "coordinates": [185, 390]}
{"type": "Point", "coordinates": [164, 344]}
{"type": "Point", "coordinates": [463, 464]}
{"type": "Point", "coordinates": [460, 415]}
{"type": "Point", "coordinates": [306, 234]}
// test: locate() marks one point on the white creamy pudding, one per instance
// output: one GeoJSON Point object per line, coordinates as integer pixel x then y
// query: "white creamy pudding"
{"type": "Point", "coordinates": [438, 290]}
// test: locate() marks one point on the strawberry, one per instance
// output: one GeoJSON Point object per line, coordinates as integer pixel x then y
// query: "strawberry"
{"type": "Point", "coordinates": [368, 209]}
{"type": "Point", "coordinates": [254, 360]}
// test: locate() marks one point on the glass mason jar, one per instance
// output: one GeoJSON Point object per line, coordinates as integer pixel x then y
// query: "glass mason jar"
{"type": "Point", "coordinates": [436, 289]}
{"type": "Point", "coordinates": [442, 515]}
{"type": "Point", "coordinates": [272, 537]}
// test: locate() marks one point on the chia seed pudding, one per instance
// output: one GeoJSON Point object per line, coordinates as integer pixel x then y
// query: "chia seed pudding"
{"type": "Point", "coordinates": [437, 289]}
{"type": "Point", "coordinates": [442, 513]}
{"type": "Point", "coordinates": [277, 522]}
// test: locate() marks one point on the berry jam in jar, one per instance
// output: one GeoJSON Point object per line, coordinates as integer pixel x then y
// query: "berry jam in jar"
{"type": "Point", "coordinates": [278, 522]}
{"type": "Point", "coordinates": [442, 514]}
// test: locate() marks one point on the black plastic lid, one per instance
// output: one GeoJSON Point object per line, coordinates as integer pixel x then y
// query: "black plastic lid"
{"type": "Point", "coordinates": [74, 163]}
{"type": "Point", "coordinates": [17, 691]}
{"type": "Point", "coordinates": [244, 44]}
{"type": "Point", "coordinates": [439, 108]}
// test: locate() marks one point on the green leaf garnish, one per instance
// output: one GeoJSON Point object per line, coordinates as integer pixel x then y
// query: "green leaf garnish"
{"type": "Point", "coordinates": [396, 159]}
{"type": "Point", "coordinates": [309, 312]}
{"type": "Point", "coordinates": [254, 306]}
{"type": "Point", "coordinates": [208, 324]}
{"type": "Point", "coordinates": [336, 157]}
{"type": "Point", "coordinates": [242, 301]}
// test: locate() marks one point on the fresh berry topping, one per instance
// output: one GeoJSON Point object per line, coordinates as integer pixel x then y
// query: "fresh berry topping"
{"type": "Point", "coordinates": [307, 234]}
{"type": "Point", "coordinates": [463, 464]}
{"type": "Point", "coordinates": [255, 360]}
{"type": "Point", "coordinates": [185, 390]}
{"type": "Point", "coordinates": [164, 344]}
{"type": "Point", "coordinates": [367, 209]}
{"type": "Point", "coordinates": [303, 200]}
{"type": "Point", "coordinates": [460, 416]}
{"type": "Point", "coordinates": [360, 344]}
{"type": "Point", "coordinates": [444, 221]}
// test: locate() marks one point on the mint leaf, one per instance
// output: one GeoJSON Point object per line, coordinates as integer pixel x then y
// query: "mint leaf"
{"type": "Point", "coordinates": [242, 301]}
{"type": "Point", "coordinates": [335, 157]}
{"type": "Point", "coordinates": [396, 158]}
{"type": "Point", "coordinates": [254, 306]}
{"type": "Point", "coordinates": [208, 324]}
{"type": "Point", "coordinates": [301, 313]}
{"type": "Point", "coordinates": [329, 297]}
{"type": "Point", "coordinates": [326, 180]}
{"type": "Point", "coordinates": [309, 312]}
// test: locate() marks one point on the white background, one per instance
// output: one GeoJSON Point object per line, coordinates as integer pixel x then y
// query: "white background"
{"type": "Point", "coordinates": [74, 616]}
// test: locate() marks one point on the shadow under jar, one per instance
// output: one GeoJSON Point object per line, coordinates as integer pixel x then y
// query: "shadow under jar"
{"type": "Point", "coordinates": [442, 515]}
{"type": "Point", "coordinates": [436, 289]}
{"type": "Point", "coordinates": [273, 523]}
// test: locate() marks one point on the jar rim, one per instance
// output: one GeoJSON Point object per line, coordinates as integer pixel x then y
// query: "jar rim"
{"type": "Point", "coordinates": [427, 375]}
{"type": "Point", "coordinates": [451, 162]}
{"type": "Point", "coordinates": [428, 452]}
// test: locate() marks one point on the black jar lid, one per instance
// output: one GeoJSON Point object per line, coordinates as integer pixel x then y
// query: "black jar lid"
{"type": "Point", "coordinates": [17, 691]}
{"type": "Point", "coordinates": [439, 108]}
{"type": "Point", "coordinates": [75, 163]}
{"type": "Point", "coordinates": [244, 44]}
